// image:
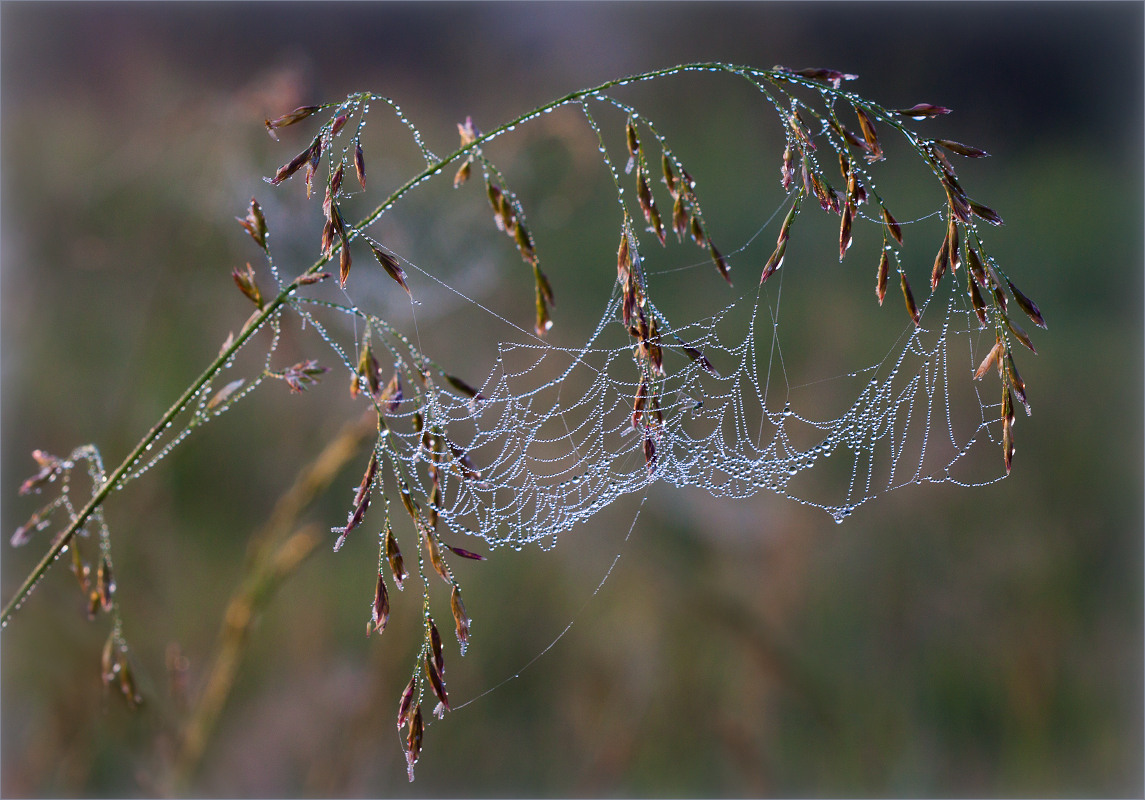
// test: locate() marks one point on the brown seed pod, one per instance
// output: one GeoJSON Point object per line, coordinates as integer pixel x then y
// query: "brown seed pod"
{"type": "Point", "coordinates": [465, 553]}
{"type": "Point", "coordinates": [883, 274]}
{"type": "Point", "coordinates": [1020, 334]}
{"type": "Point", "coordinates": [462, 174]}
{"type": "Point", "coordinates": [406, 702]}
{"type": "Point", "coordinates": [669, 175]}
{"type": "Point", "coordinates": [845, 230]}
{"type": "Point", "coordinates": [436, 683]}
{"type": "Point", "coordinates": [867, 125]}
{"type": "Point", "coordinates": [974, 264]}
{"type": "Point", "coordinates": [394, 556]}
{"type": "Point", "coordinates": [245, 280]}
{"type": "Point", "coordinates": [720, 262]}
{"type": "Point", "coordinates": [295, 164]}
{"type": "Point", "coordinates": [391, 396]}
{"type": "Point", "coordinates": [1016, 382]}
{"type": "Point", "coordinates": [1027, 305]}
{"type": "Point", "coordinates": [954, 243]}
{"type": "Point", "coordinates": [344, 263]}
{"type": "Point", "coordinates": [961, 149]}
{"type": "Point", "coordinates": [413, 740]}
{"type": "Point", "coordinates": [391, 266]}
{"type": "Point", "coordinates": [940, 263]}
{"type": "Point", "coordinates": [649, 454]}
{"type": "Point", "coordinates": [922, 111]}
{"type": "Point", "coordinates": [380, 611]}
{"type": "Point", "coordinates": [435, 557]}
{"type": "Point", "coordinates": [787, 171]}
{"type": "Point", "coordinates": [254, 223]}
{"type": "Point", "coordinates": [104, 583]}
{"type": "Point", "coordinates": [774, 262]}
{"type": "Point", "coordinates": [360, 164]}
{"type": "Point", "coordinates": [992, 359]}
{"type": "Point", "coordinates": [107, 664]}
{"type": "Point", "coordinates": [699, 357]}
{"type": "Point", "coordinates": [985, 212]}
{"type": "Point", "coordinates": [297, 115]}
{"type": "Point", "coordinates": [460, 618]}
{"type": "Point", "coordinates": [976, 301]}
{"type": "Point", "coordinates": [908, 296]}
{"type": "Point", "coordinates": [697, 231]}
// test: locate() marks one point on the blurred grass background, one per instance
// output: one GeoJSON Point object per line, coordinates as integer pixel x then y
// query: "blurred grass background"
{"type": "Point", "coordinates": [940, 642]}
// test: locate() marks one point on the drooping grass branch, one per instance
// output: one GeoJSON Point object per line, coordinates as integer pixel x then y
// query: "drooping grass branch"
{"type": "Point", "coordinates": [400, 457]}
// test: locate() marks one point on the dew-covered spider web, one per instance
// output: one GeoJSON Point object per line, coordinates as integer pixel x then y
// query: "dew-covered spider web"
{"type": "Point", "coordinates": [551, 438]}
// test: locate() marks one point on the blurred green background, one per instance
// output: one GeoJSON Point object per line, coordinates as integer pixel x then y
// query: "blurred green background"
{"type": "Point", "coordinates": [941, 642]}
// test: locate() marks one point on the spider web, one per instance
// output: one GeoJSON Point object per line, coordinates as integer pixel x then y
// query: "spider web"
{"type": "Point", "coordinates": [551, 440]}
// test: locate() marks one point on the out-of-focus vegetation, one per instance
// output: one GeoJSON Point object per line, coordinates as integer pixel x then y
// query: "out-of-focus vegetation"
{"type": "Point", "coordinates": [940, 642]}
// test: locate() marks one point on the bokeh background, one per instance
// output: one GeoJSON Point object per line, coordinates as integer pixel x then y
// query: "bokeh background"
{"type": "Point", "coordinates": [941, 642]}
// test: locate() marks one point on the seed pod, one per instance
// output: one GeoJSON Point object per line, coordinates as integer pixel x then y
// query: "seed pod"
{"type": "Point", "coordinates": [380, 611]}
{"type": "Point", "coordinates": [976, 301]}
{"type": "Point", "coordinates": [623, 257]}
{"type": "Point", "coordinates": [300, 376]}
{"type": "Point", "coordinates": [127, 683]}
{"type": "Point", "coordinates": [524, 242]}
{"type": "Point", "coordinates": [1020, 334]}
{"type": "Point", "coordinates": [697, 231]}
{"type": "Point", "coordinates": [465, 553]}
{"type": "Point", "coordinates": [394, 556]}
{"type": "Point", "coordinates": [92, 604]}
{"type": "Point", "coordinates": [108, 665]}
{"type": "Point", "coordinates": [698, 357]}
{"type": "Point", "coordinates": [773, 263]}
{"type": "Point", "coordinates": [1016, 382]}
{"type": "Point", "coordinates": [908, 296]}
{"type": "Point", "coordinates": [245, 280]}
{"type": "Point", "coordinates": [435, 683]}
{"type": "Point", "coordinates": [633, 144]}
{"type": "Point", "coordinates": [391, 397]}
{"type": "Point", "coordinates": [391, 266]}
{"type": "Point", "coordinates": [336, 182]}
{"type": "Point", "coordinates": [297, 115]}
{"type": "Point", "coordinates": [1027, 305]}
{"type": "Point", "coordinates": [961, 149]}
{"type": "Point", "coordinates": [344, 263]}
{"type": "Point", "coordinates": [433, 502]}
{"type": "Point", "coordinates": [413, 741]}
{"type": "Point", "coordinates": [462, 174]}
{"type": "Point", "coordinates": [985, 212]}
{"type": "Point", "coordinates": [288, 169]}
{"type": "Point", "coordinates": [434, 552]}
{"type": "Point", "coordinates": [360, 164]}
{"type": "Point", "coordinates": [940, 263]}
{"type": "Point", "coordinates": [638, 402]}
{"type": "Point", "coordinates": [306, 280]}
{"type": "Point", "coordinates": [644, 194]}
{"type": "Point", "coordinates": [922, 111]}
{"type": "Point", "coordinates": [992, 359]}
{"type": "Point", "coordinates": [881, 280]}
{"type": "Point", "coordinates": [368, 369]}
{"type": "Point", "coordinates": [956, 199]}
{"type": "Point", "coordinates": [974, 264]}
{"type": "Point", "coordinates": [874, 152]}
{"type": "Point", "coordinates": [845, 230]}
{"type": "Point", "coordinates": [315, 154]}
{"type": "Point", "coordinates": [254, 223]}
{"type": "Point", "coordinates": [954, 243]}
{"type": "Point", "coordinates": [435, 648]}
{"type": "Point", "coordinates": [787, 171]}
{"type": "Point", "coordinates": [720, 262]}
{"type": "Point", "coordinates": [679, 218]}
{"type": "Point", "coordinates": [658, 225]}
{"type": "Point", "coordinates": [833, 77]}
{"type": "Point", "coordinates": [460, 618]}
{"type": "Point", "coordinates": [462, 387]}
{"type": "Point", "coordinates": [406, 702]}
{"type": "Point", "coordinates": [224, 393]}
{"type": "Point", "coordinates": [669, 175]}
{"type": "Point", "coordinates": [649, 454]}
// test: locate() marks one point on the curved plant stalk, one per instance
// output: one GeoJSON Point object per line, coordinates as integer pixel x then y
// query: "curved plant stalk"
{"type": "Point", "coordinates": [272, 556]}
